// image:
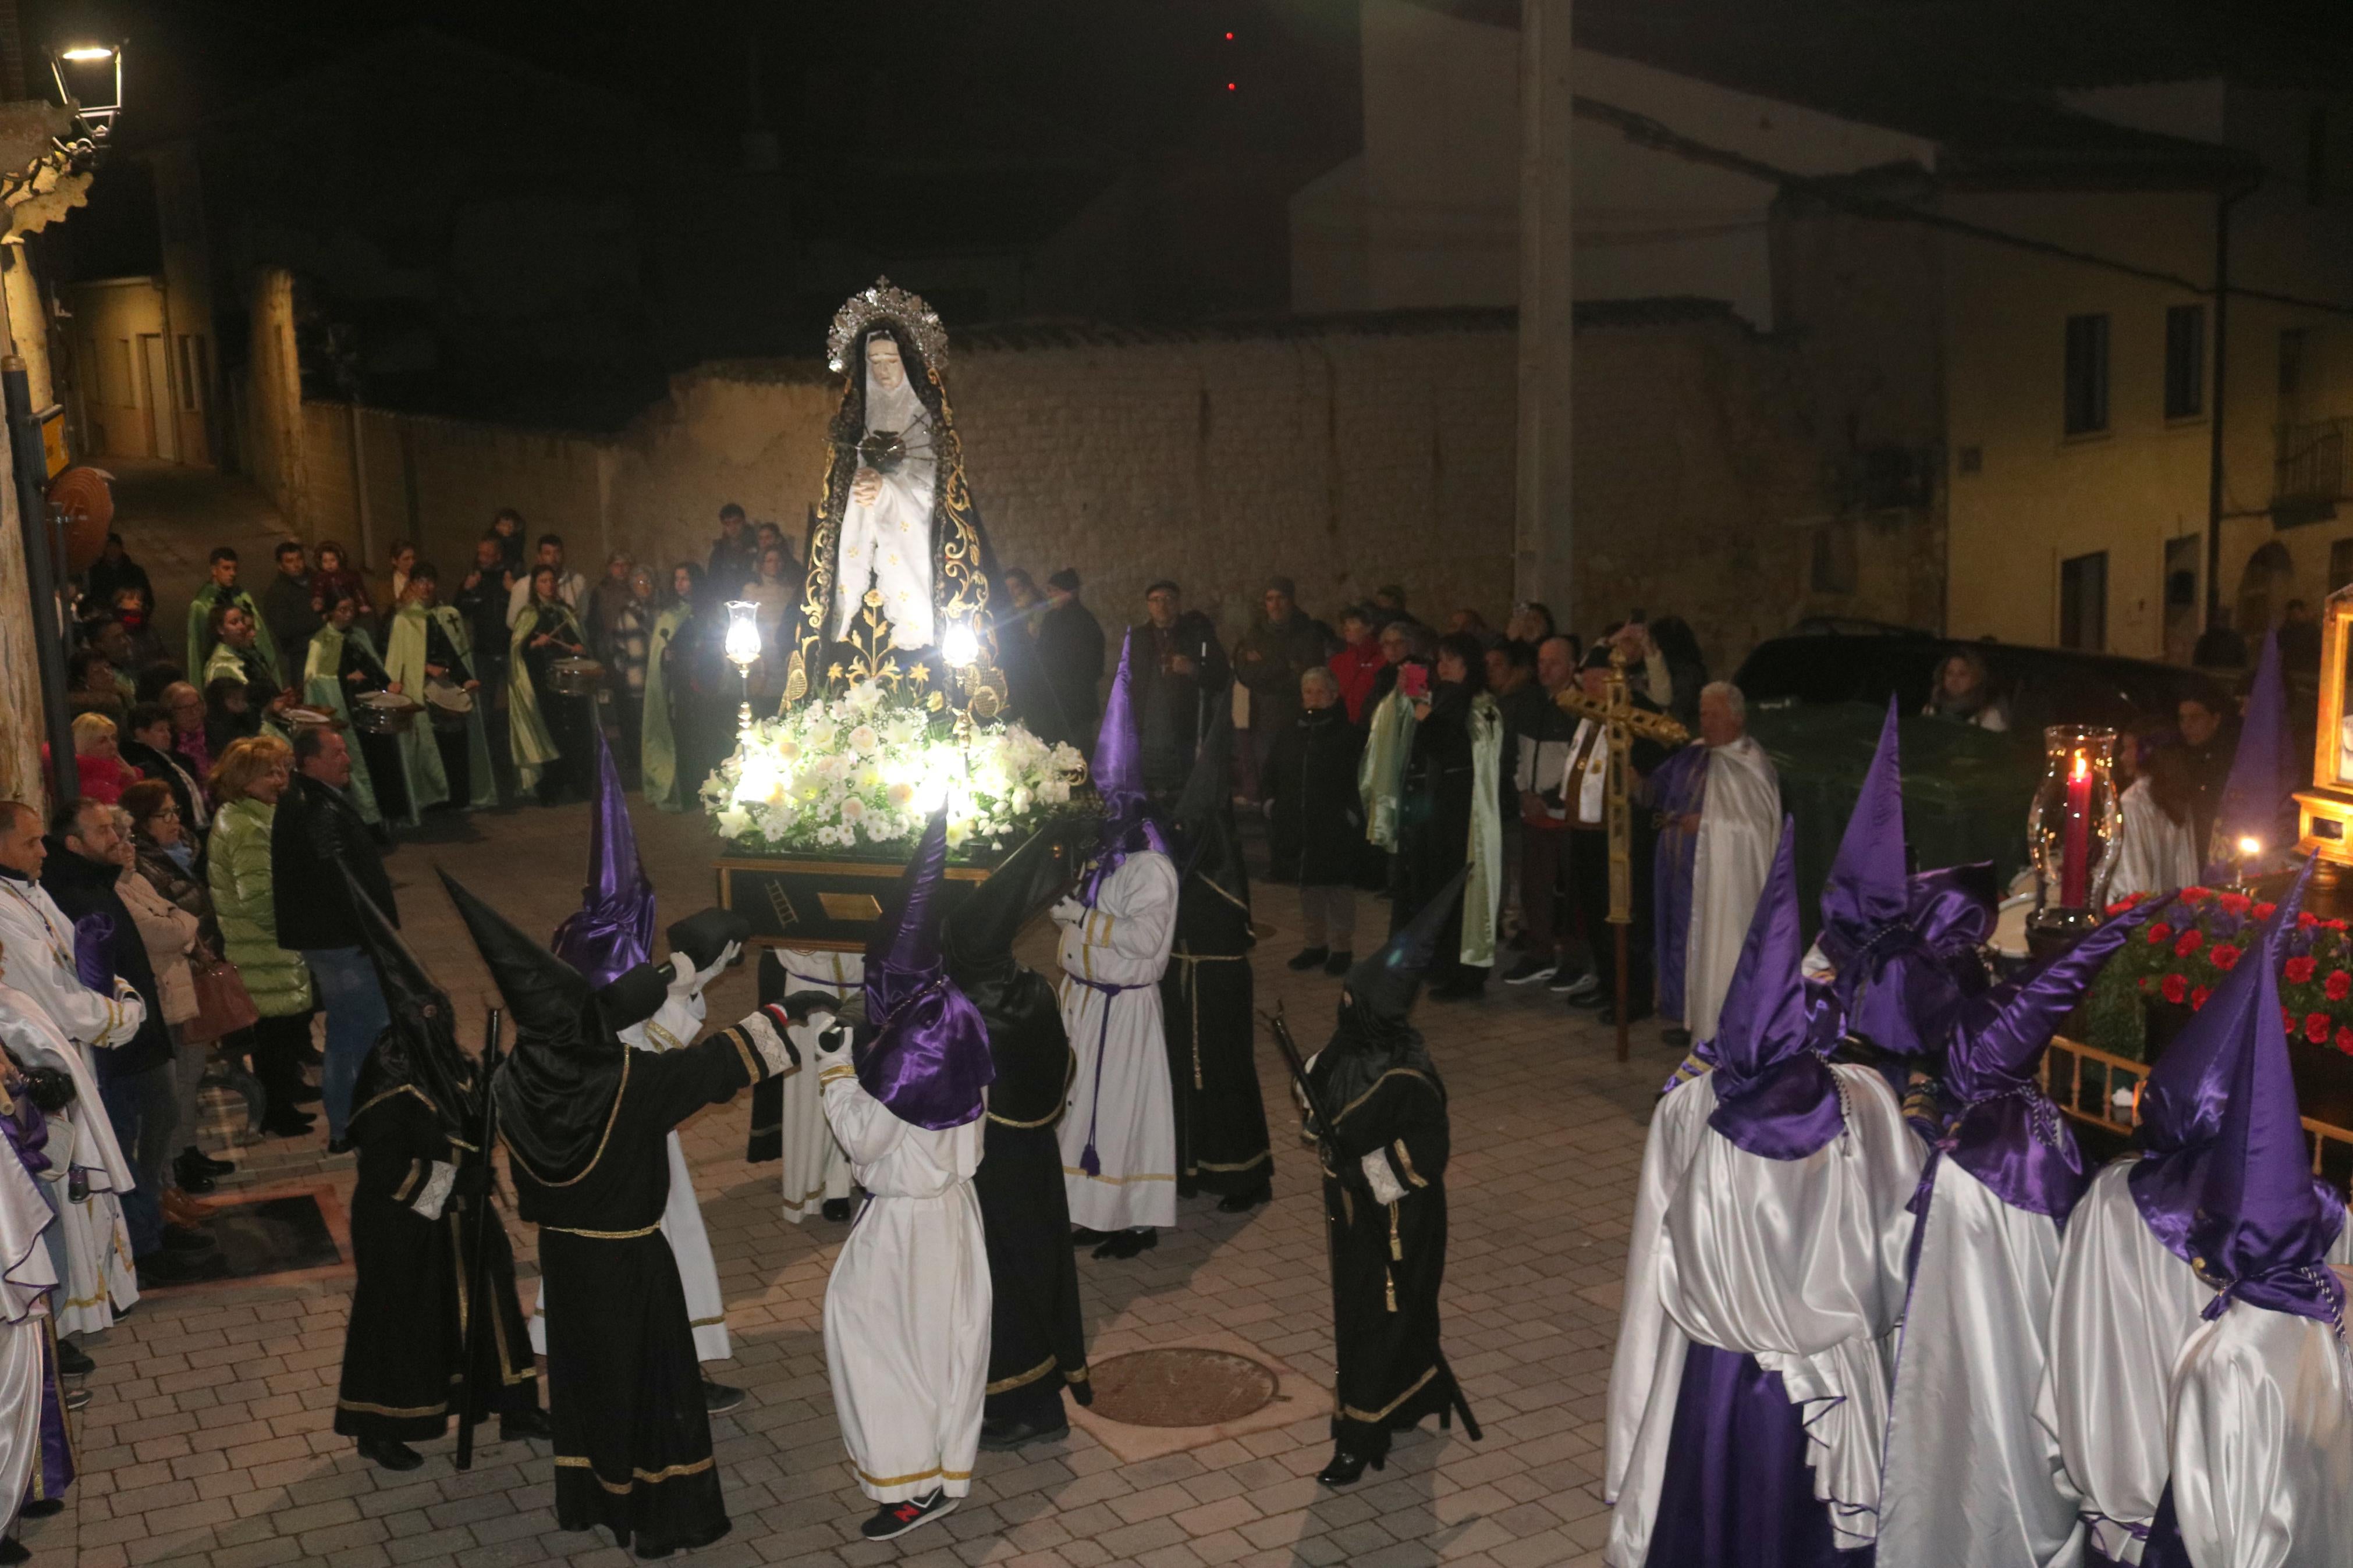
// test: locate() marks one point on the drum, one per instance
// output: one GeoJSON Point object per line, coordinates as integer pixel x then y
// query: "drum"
{"type": "Point", "coordinates": [577, 676]}
{"type": "Point", "coordinates": [384, 713]}
{"type": "Point", "coordinates": [450, 705]}
{"type": "Point", "coordinates": [300, 717]}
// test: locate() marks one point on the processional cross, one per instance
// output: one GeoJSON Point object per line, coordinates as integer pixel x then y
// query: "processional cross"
{"type": "Point", "coordinates": [1621, 721]}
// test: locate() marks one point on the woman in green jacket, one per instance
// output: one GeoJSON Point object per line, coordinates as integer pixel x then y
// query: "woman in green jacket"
{"type": "Point", "coordinates": [246, 781]}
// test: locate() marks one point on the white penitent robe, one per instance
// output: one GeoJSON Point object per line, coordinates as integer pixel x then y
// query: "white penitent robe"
{"type": "Point", "coordinates": [907, 1309]}
{"type": "Point", "coordinates": [1972, 1479]}
{"type": "Point", "coordinates": [2263, 1442]}
{"type": "Point", "coordinates": [1798, 1263]}
{"type": "Point", "coordinates": [675, 1026]}
{"type": "Point", "coordinates": [1119, 1099]}
{"type": "Point", "coordinates": [891, 537]}
{"type": "Point", "coordinates": [2154, 853]}
{"type": "Point", "coordinates": [1739, 826]}
{"type": "Point", "coordinates": [26, 1281]}
{"type": "Point", "coordinates": [2121, 1310]}
{"type": "Point", "coordinates": [816, 1170]}
{"type": "Point", "coordinates": [98, 1277]}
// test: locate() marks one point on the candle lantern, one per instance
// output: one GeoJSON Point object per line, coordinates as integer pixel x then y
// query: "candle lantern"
{"type": "Point", "coordinates": [2071, 829]}
{"type": "Point", "coordinates": [742, 647]}
{"type": "Point", "coordinates": [2326, 810]}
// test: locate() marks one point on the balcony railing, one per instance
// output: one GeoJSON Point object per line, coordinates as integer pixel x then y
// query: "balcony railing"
{"type": "Point", "coordinates": [2310, 467]}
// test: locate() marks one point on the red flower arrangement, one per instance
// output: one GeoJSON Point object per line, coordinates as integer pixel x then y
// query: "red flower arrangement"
{"type": "Point", "coordinates": [2204, 932]}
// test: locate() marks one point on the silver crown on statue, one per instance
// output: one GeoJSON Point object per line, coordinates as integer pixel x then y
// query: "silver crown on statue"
{"type": "Point", "coordinates": [884, 302]}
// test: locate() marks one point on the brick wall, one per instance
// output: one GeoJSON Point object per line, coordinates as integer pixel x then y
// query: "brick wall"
{"type": "Point", "coordinates": [1344, 453]}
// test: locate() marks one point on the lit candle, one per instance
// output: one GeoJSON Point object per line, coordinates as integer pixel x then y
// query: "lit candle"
{"type": "Point", "coordinates": [2075, 865]}
{"type": "Point", "coordinates": [742, 644]}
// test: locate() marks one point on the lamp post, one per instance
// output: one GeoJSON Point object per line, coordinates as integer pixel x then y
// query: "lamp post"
{"type": "Point", "coordinates": [89, 81]}
{"type": "Point", "coordinates": [743, 652]}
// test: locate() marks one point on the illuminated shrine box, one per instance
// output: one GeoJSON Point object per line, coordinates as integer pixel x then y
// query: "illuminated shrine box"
{"type": "Point", "coordinates": [2325, 812]}
{"type": "Point", "coordinates": [833, 902]}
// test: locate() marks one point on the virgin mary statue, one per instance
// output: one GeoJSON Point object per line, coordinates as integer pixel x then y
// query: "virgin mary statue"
{"type": "Point", "coordinates": [897, 564]}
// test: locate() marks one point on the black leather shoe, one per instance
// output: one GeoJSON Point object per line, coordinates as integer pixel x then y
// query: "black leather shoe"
{"type": "Point", "coordinates": [195, 1183]}
{"type": "Point", "coordinates": [1082, 1236]}
{"type": "Point", "coordinates": [14, 1551]}
{"type": "Point", "coordinates": [1340, 963]}
{"type": "Point", "coordinates": [836, 1210]}
{"type": "Point", "coordinates": [195, 1158]}
{"type": "Point", "coordinates": [1128, 1243]}
{"type": "Point", "coordinates": [1242, 1203]}
{"type": "Point", "coordinates": [339, 1145]}
{"type": "Point", "coordinates": [72, 1361]}
{"type": "Point", "coordinates": [285, 1121]}
{"type": "Point", "coordinates": [42, 1509]}
{"type": "Point", "coordinates": [1345, 1468]}
{"type": "Point", "coordinates": [387, 1454]}
{"type": "Point", "coordinates": [185, 1238]}
{"type": "Point", "coordinates": [718, 1398]}
{"type": "Point", "coordinates": [1609, 1014]}
{"type": "Point", "coordinates": [1308, 958]}
{"type": "Point", "coordinates": [1002, 1436]}
{"type": "Point", "coordinates": [531, 1423]}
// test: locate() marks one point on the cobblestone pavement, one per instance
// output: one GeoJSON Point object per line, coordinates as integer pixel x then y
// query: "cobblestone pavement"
{"type": "Point", "coordinates": [208, 1439]}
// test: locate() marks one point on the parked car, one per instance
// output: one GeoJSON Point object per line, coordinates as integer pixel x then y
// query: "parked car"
{"type": "Point", "coordinates": [1826, 661]}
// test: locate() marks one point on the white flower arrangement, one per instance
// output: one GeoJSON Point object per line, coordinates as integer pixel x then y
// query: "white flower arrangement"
{"type": "Point", "coordinates": [869, 769]}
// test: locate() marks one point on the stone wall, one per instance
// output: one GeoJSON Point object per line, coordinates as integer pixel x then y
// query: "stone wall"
{"type": "Point", "coordinates": [1344, 452]}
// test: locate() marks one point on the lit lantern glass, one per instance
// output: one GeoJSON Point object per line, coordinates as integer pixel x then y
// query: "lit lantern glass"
{"type": "Point", "coordinates": [2071, 829]}
{"type": "Point", "coordinates": [743, 633]}
{"type": "Point", "coordinates": [960, 647]}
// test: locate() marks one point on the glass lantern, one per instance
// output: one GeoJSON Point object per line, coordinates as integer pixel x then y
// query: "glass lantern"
{"type": "Point", "coordinates": [743, 634]}
{"type": "Point", "coordinates": [2071, 831]}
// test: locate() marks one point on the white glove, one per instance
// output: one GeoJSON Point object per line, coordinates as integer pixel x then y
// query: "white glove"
{"type": "Point", "coordinates": [832, 1044]}
{"type": "Point", "coordinates": [695, 980]}
{"type": "Point", "coordinates": [436, 1190]}
{"type": "Point", "coordinates": [1386, 1188]}
{"type": "Point", "coordinates": [1069, 911]}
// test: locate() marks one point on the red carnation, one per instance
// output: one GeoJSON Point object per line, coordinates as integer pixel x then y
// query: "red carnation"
{"type": "Point", "coordinates": [2233, 903]}
{"type": "Point", "coordinates": [2298, 970]}
{"type": "Point", "coordinates": [2317, 1027]}
{"type": "Point", "coordinates": [2191, 940]}
{"type": "Point", "coordinates": [2339, 986]}
{"type": "Point", "coordinates": [2345, 1041]}
{"type": "Point", "coordinates": [2121, 905]}
{"type": "Point", "coordinates": [2225, 955]}
{"type": "Point", "coordinates": [2176, 987]}
{"type": "Point", "coordinates": [2334, 925]}
{"type": "Point", "coordinates": [2195, 895]}
{"type": "Point", "coordinates": [2305, 919]}
{"type": "Point", "coordinates": [2287, 1021]}
{"type": "Point", "coordinates": [2263, 911]}
{"type": "Point", "coordinates": [2197, 998]}
{"type": "Point", "coordinates": [2159, 934]}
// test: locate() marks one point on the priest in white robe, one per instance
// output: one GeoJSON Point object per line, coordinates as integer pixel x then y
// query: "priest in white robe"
{"type": "Point", "coordinates": [2199, 1393]}
{"type": "Point", "coordinates": [1119, 1127]}
{"type": "Point", "coordinates": [788, 1113]}
{"type": "Point", "coordinates": [51, 1019]}
{"type": "Point", "coordinates": [1971, 1479]}
{"type": "Point", "coordinates": [907, 1309]}
{"type": "Point", "coordinates": [1765, 1276]}
{"type": "Point", "coordinates": [1739, 818]}
{"type": "Point", "coordinates": [28, 1281]}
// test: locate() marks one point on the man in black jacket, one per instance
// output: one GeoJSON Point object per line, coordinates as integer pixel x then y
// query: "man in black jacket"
{"type": "Point", "coordinates": [292, 610]}
{"type": "Point", "coordinates": [1070, 653]}
{"type": "Point", "coordinates": [1179, 668]}
{"type": "Point", "coordinates": [134, 1079]}
{"type": "Point", "coordinates": [317, 830]}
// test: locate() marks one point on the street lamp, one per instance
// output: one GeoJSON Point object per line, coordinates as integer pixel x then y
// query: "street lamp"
{"type": "Point", "coordinates": [89, 81]}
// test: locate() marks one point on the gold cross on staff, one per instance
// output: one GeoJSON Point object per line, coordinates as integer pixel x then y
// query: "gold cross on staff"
{"type": "Point", "coordinates": [1621, 721]}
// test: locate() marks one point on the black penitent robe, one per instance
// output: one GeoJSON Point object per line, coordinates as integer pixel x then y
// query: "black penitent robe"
{"type": "Point", "coordinates": [1388, 1260]}
{"type": "Point", "coordinates": [1037, 1339]}
{"type": "Point", "coordinates": [1205, 999]}
{"type": "Point", "coordinates": [625, 1390]}
{"type": "Point", "coordinates": [410, 1304]}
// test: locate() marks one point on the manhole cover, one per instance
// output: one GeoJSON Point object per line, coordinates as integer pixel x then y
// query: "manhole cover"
{"type": "Point", "coordinates": [1180, 1387]}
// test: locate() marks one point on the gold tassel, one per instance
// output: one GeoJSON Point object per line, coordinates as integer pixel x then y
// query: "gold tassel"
{"type": "Point", "coordinates": [1388, 1284]}
{"type": "Point", "coordinates": [1396, 1249]}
